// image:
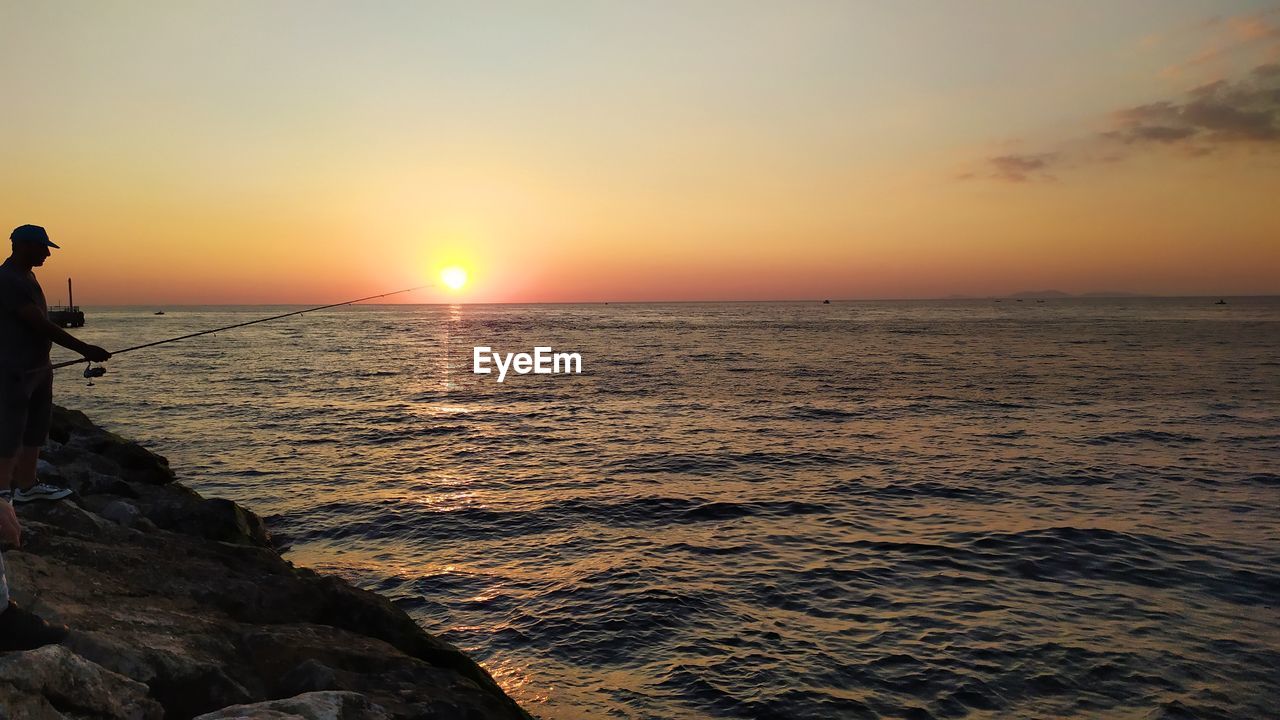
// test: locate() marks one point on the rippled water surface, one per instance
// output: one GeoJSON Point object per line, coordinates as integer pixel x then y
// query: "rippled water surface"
{"type": "Point", "coordinates": [917, 510]}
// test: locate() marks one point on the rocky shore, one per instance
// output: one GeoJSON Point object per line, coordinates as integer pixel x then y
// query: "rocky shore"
{"type": "Point", "coordinates": [180, 608]}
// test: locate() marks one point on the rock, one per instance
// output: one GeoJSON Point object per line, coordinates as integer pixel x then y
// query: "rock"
{"type": "Point", "coordinates": [338, 660]}
{"type": "Point", "coordinates": [120, 512]}
{"type": "Point", "coordinates": [197, 612]}
{"type": "Point", "coordinates": [182, 676]}
{"type": "Point", "coordinates": [66, 515]}
{"type": "Point", "coordinates": [65, 422]}
{"type": "Point", "coordinates": [82, 470]}
{"type": "Point", "coordinates": [131, 461]}
{"type": "Point", "coordinates": [309, 676]}
{"type": "Point", "coordinates": [372, 615]}
{"type": "Point", "coordinates": [53, 682]}
{"type": "Point", "coordinates": [205, 687]}
{"type": "Point", "coordinates": [139, 464]}
{"type": "Point", "coordinates": [177, 508]}
{"type": "Point", "coordinates": [308, 706]}
{"type": "Point", "coordinates": [85, 480]}
{"type": "Point", "coordinates": [227, 521]}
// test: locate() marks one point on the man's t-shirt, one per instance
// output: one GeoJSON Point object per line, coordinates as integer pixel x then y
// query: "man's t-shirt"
{"type": "Point", "coordinates": [20, 347]}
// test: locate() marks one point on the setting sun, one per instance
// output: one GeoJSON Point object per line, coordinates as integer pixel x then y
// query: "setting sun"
{"type": "Point", "coordinates": [453, 277]}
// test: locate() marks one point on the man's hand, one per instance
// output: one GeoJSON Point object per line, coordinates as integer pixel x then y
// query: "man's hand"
{"type": "Point", "coordinates": [95, 353]}
{"type": "Point", "coordinates": [10, 530]}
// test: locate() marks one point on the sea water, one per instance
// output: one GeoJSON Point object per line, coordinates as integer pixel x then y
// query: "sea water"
{"type": "Point", "coordinates": [982, 509]}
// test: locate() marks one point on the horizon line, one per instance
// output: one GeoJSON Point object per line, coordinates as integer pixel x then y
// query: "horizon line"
{"type": "Point", "coordinates": [819, 301]}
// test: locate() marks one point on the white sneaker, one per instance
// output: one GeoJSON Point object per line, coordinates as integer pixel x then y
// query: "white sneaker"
{"type": "Point", "coordinates": [40, 491]}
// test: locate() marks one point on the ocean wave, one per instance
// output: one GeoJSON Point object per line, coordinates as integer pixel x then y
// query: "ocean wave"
{"type": "Point", "coordinates": [921, 489]}
{"type": "Point", "coordinates": [1141, 436]}
{"type": "Point", "coordinates": [805, 412]}
{"type": "Point", "coordinates": [391, 519]}
{"type": "Point", "coordinates": [715, 463]}
{"type": "Point", "coordinates": [1264, 479]}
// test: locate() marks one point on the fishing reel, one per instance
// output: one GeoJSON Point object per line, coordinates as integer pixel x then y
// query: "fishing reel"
{"type": "Point", "coordinates": [91, 372]}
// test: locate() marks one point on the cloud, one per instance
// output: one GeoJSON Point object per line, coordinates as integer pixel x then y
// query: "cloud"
{"type": "Point", "coordinates": [1222, 112]}
{"type": "Point", "coordinates": [1247, 38]}
{"type": "Point", "coordinates": [1242, 112]}
{"type": "Point", "coordinates": [1204, 121]}
{"type": "Point", "coordinates": [1022, 168]}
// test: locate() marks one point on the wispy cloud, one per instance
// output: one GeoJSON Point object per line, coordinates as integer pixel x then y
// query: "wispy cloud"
{"type": "Point", "coordinates": [1255, 36]}
{"type": "Point", "coordinates": [1239, 112]}
{"type": "Point", "coordinates": [1245, 111]}
{"type": "Point", "coordinates": [1022, 168]}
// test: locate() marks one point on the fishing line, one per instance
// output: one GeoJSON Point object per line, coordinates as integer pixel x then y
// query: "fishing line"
{"type": "Point", "coordinates": [92, 372]}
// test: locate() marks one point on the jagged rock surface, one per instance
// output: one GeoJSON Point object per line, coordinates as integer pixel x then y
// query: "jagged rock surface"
{"type": "Point", "coordinates": [309, 706]}
{"type": "Point", "coordinates": [53, 682]}
{"type": "Point", "coordinates": [184, 598]}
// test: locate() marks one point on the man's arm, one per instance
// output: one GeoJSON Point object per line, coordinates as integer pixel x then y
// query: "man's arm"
{"type": "Point", "coordinates": [38, 321]}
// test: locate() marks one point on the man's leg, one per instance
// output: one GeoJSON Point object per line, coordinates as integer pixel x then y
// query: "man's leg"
{"type": "Point", "coordinates": [13, 424]}
{"type": "Point", "coordinates": [39, 418]}
{"type": "Point", "coordinates": [26, 487]}
{"type": "Point", "coordinates": [7, 463]}
{"type": "Point", "coordinates": [23, 467]}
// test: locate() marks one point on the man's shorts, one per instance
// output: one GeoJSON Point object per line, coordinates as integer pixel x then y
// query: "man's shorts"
{"type": "Point", "coordinates": [26, 409]}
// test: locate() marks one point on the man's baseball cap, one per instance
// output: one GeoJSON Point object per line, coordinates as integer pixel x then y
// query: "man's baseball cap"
{"type": "Point", "coordinates": [32, 233]}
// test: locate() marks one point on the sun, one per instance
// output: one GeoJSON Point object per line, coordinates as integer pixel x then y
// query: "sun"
{"type": "Point", "coordinates": [453, 277]}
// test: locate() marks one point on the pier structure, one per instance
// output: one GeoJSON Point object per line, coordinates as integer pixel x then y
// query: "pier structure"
{"type": "Point", "coordinates": [69, 315]}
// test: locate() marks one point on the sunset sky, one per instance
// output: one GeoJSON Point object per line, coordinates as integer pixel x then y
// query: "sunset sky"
{"type": "Point", "coordinates": [245, 152]}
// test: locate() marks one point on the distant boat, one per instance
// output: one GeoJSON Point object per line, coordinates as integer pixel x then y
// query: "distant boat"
{"type": "Point", "coordinates": [826, 302]}
{"type": "Point", "coordinates": [1221, 302]}
{"type": "Point", "coordinates": [158, 312]}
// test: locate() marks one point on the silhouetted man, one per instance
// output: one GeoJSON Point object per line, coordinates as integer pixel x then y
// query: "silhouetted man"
{"type": "Point", "coordinates": [26, 407]}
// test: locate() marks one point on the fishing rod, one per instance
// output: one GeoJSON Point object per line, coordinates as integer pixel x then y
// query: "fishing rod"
{"type": "Point", "coordinates": [91, 371]}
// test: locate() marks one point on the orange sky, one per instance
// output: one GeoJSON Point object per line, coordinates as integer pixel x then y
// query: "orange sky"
{"type": "Point", "coordinates": [729, 150]}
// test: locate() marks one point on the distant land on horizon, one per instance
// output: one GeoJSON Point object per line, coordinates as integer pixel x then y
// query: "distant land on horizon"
{"type": "Point", "coordinates": [1050, 294]}
{"type": "Point", "coordinates": [1046, 294]}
